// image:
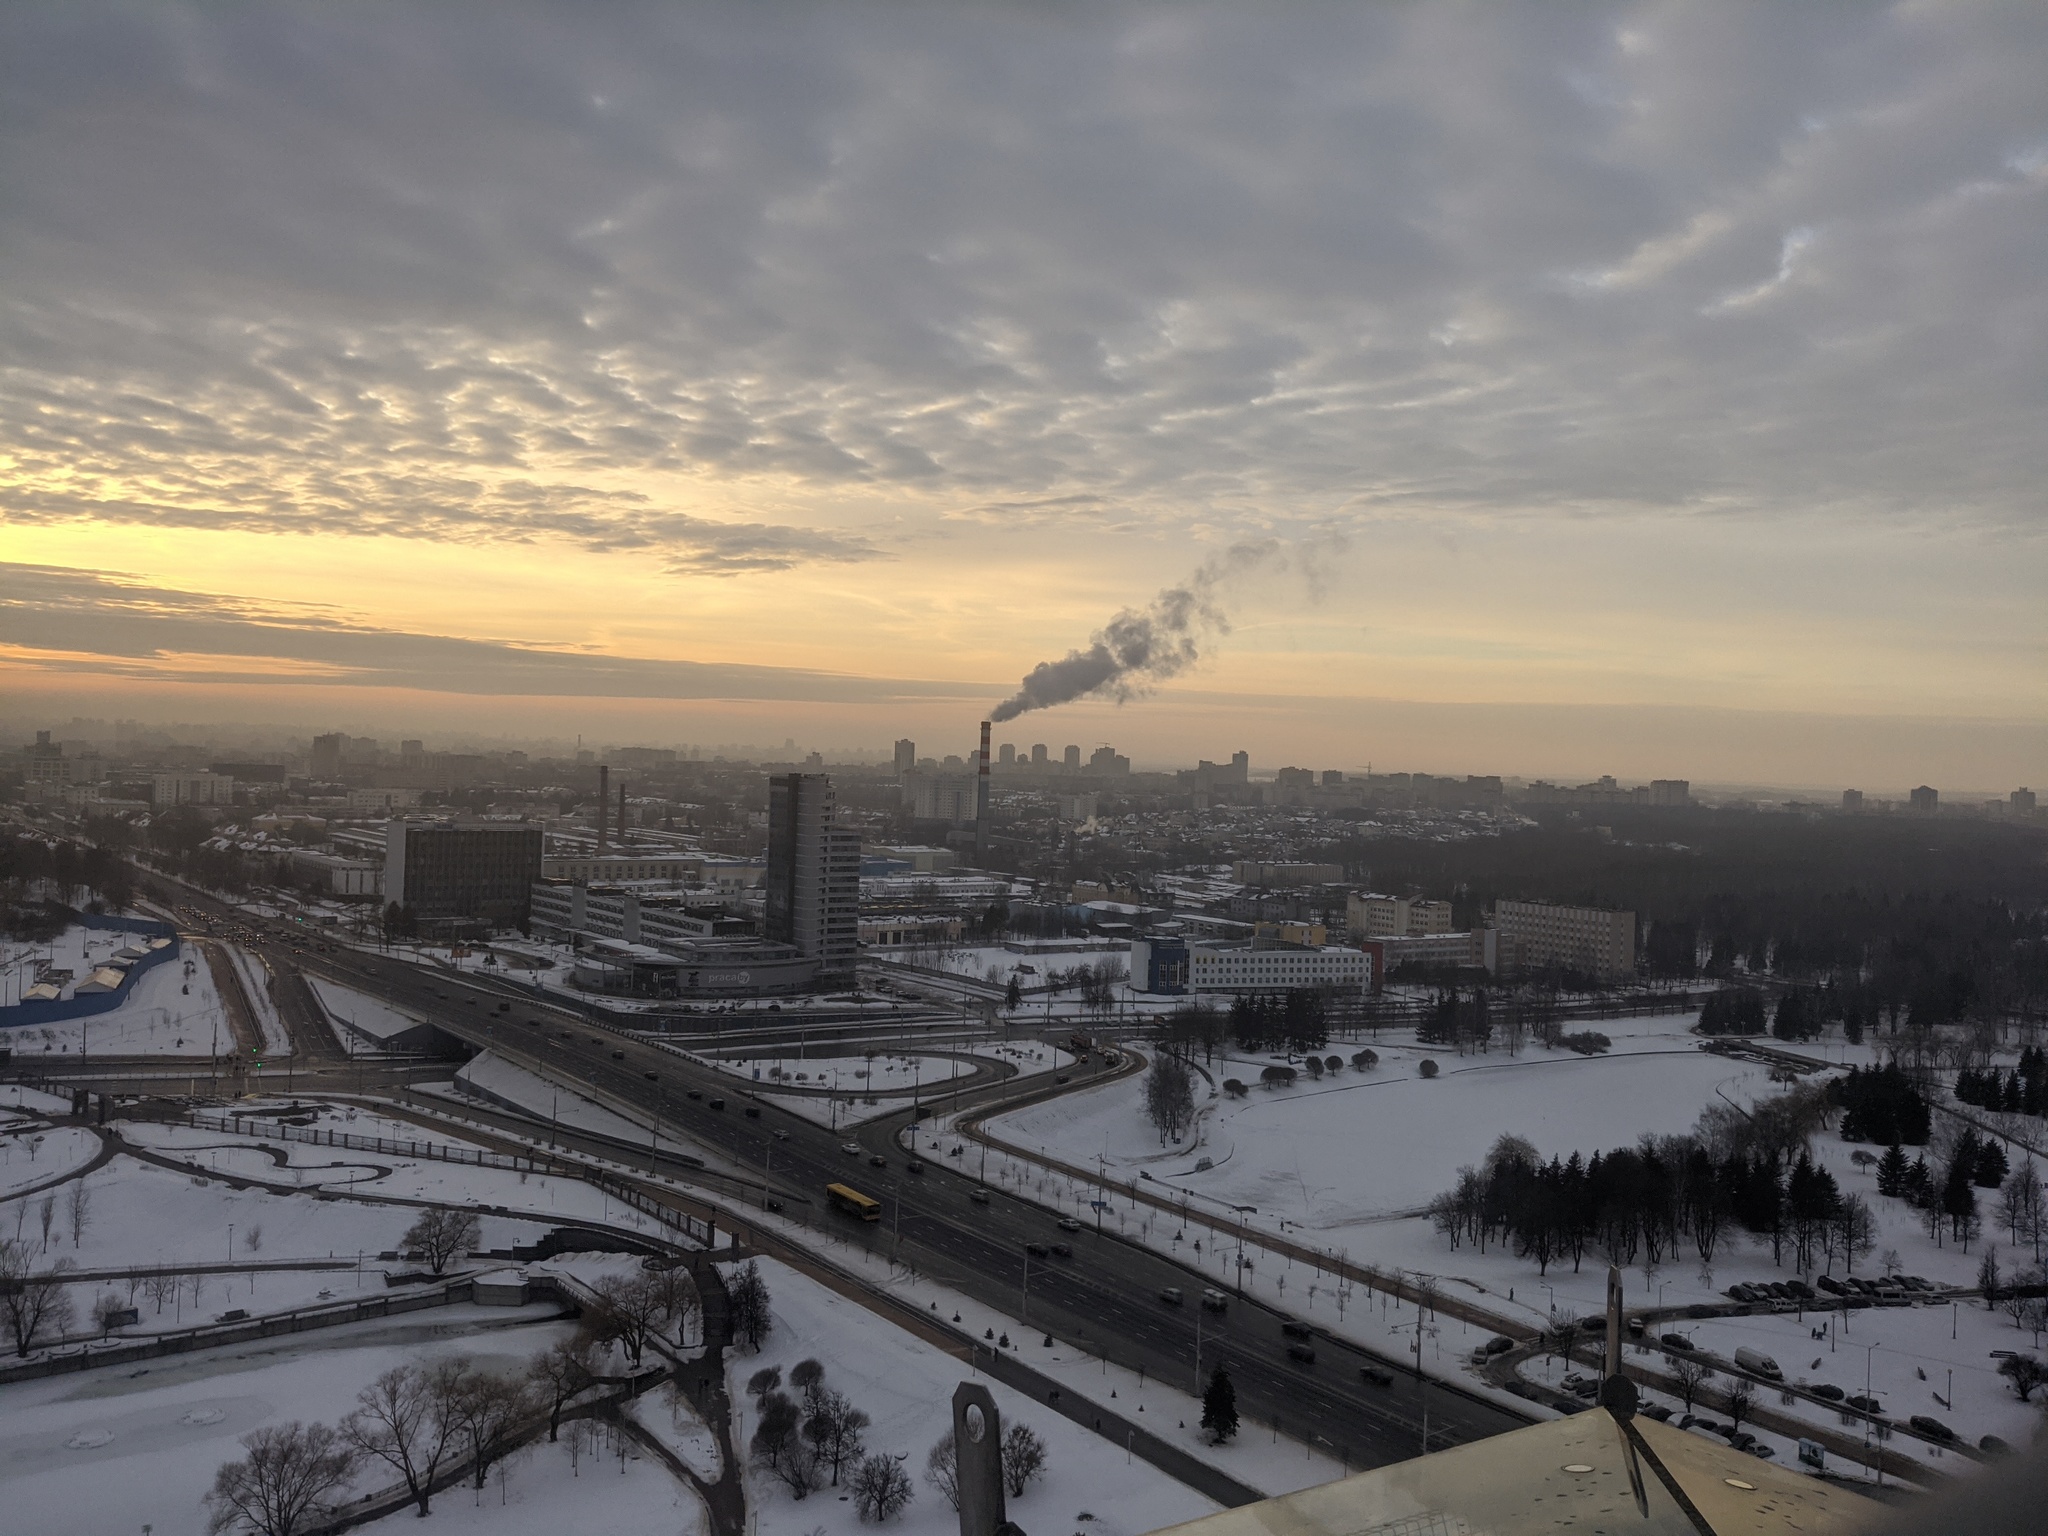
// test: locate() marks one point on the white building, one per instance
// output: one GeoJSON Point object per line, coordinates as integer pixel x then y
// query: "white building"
{"type": "Point", "coordinates": [193, 789]}
{"type": "Point", "coordinates": [1372, 916]}
{"type": "Point", "coordinates": [1534, 935]}
{"type": "Point", "coordinates": [607, 868]}
{"type": "Point", "coordinates": [1160, 964]}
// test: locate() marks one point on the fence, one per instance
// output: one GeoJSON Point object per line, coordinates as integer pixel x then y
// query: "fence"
{"type": "Point", "coordinates": [64, 1009]}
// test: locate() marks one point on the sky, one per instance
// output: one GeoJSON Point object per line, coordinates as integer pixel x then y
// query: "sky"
{"type": "Point", "coordinates": [1648, 389]}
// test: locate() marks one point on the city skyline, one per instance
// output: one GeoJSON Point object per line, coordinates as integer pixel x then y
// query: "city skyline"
{"type": "Point", "coordinates": [1644, 390]}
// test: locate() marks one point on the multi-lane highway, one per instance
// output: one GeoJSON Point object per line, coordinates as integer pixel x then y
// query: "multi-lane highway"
{"type": "Point", "coordinates": [1106, 1295]}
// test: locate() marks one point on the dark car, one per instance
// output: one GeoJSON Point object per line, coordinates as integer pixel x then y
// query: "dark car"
{"type": "Point", "coordinates": [1499, 1344]}
{"type": "Point", "coordinates": [878, 1161]}
{"type": "Point", "coordinates": [618, 1055]}
{"type": "Point", "coordinates": [1828, 1392]}
{"type": "Point", "coordinates": [1933, 1429]}
{"type": "Point", "coordinates": [1676, 1341]}
{"type": "Point", "coordinates": [1377, 1375]}
{"type": "Point", "coordinates": [1301, 1354]}
{"type": "Point", "coordinates": [1295, 1330]}
{"type": "Point", "coordinates": [1864, 1404]}
{"type": "Point", "coordinates": [650, 1077]}
{"type": "Point", "coordinates": [716, 1103]}
{"type": "Point", "coordinates": [915, 1165]}
{"type": "Point", "coordinates": [978, 1196]}
{"type": "Point", "coordinates": [691, 1093]}
{"type": "Point", "coordinates": [1037, 1250]}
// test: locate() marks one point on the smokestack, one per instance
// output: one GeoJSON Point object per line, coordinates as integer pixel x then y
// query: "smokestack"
{"type": "Point", "coordinates": [981, 804]}
{"type": "Point", "coordinates": [604, 802]}
{"type": "Point", "coordinates": [622, 814]}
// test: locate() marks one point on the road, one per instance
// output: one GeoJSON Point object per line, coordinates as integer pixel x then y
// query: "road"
{"type": "Point", "coordinates": [1106, 1296]}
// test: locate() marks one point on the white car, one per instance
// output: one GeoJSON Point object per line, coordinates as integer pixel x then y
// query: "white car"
{"type": "Point", "coordinates": [850, 1148]}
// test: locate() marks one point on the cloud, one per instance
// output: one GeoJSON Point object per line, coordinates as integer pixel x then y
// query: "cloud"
{"type": "Point", "coordinates": [474, 272]}
{"type": "Point", "coordinates": [56, 619]}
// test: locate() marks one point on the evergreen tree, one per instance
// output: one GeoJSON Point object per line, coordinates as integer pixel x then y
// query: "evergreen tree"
{"type": "Point", "coordinates": [1892, 1172]}
{"type": "Point", "coordinates": [1991, 1168]}
{"type": "Point", "coordinates": [1219, 1407]}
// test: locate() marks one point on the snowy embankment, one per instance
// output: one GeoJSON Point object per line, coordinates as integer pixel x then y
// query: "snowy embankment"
{"type": "Point", "coordinates": [906, 1387]}
{"type": "Point", "coordinates": [348, 1006]}
{"type": "Point", "coordinates": [255, 978]}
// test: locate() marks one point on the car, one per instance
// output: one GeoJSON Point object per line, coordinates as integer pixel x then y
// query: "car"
{"type": "Point", "coordinates": [774, 1205]}
{"type": "Point", "coordinates": [1499, 1344]}
{"type": "Point", "coordinates": [618, 1055]}
{"type": "Point", "coordinates": [1377, 1375]}
{"type": "Point", "coordinates": [1301, 1354]}
{"type": "Point", "coordinates": [1214, 1300]}
{"type": "Point", "coordinates": [1037, 1250]}
{"type": "Point", "coordinates": [1063, 1250]}
{"type": "Point", "coordinates": [1062, 1078]}
{"type": "Point", "coordinates": [1171, 1295]}
{"type": "Point", "coordinates": [782, 1135]}
{"type": "Point", "coordinates": [691, 1093]}
{"type": "Point", "coordinates": [650, 1077]}
{"type": "Point", "coordinates": [1828, 1392]}
{"type": "Point", "coordinates": [876, 1160]}
{"type": "Point", "coordinates": [1655, 1411]}
{"type": "Point", "coordinates": [915, 1165]}
{"type": "Point", "coordinates": [753, 1111]}
{"type": "Point", "coordinates": [978, 1196]}
{"type": "Point", "coordinates": [1677, 1341]}
{"type": "Point", "coordinates": [1068, 1224]}
{"type": "Point", "coordinates": [1480, 1356]}
{"type": "Point", "coordinates": [850, 1148]}
{"type": "Point", "coordinates": [715, 1103]}
{"type": "Point", "coordinates": [1933, 1429]}
{"type": "Point", "coordinates": [1295, 1330]}
{"type": "Point", "coordinates": [1863, 1403]}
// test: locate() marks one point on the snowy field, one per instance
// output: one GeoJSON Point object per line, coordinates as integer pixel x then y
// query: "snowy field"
{"type": "Point", "coordinates": [906, 1386]}
{"type": "Point", "coordinates": [32, 1153]}
{"type": "Point", "coordinates": [120, 1448]}
{"type": "Point", "coordinates": [880, 1073]}
{"type": "Point", "coordinates": [166, 1013]}
{"type": "Point", "coordinates": [255, 976]}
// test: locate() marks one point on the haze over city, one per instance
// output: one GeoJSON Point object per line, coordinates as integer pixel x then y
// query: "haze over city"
{"type": "Point", "coordinates": [1667, 368]}
{"type": "Point", "coordinates": [901, 768]}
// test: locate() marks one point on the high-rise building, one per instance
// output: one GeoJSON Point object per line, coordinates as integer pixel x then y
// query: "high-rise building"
{"type": "Point", "coordinates": [1852, 800]}
{"type": "Point", "coordinates": [1926, 800]}
{"type": "Point", "coordinates": [2023, 802]}
{"type": "Point", "coordinates": [813, 876]}
{"type": "Point", "coordinates": [1072, 759]}
{"type": "Point", "coordinates": [1241, 767]}
{"type": "Point", "coordinates": [1038, 754]}
{"type": "Point", "coordinates": [906, 756]}
{"type": "Point", "coordinates": [1108, 760]}
{"type": "Point", "coordinates": [1372, 916]}
{"type": "Point", "coordinates": [1006, 754]}
{"type": "Point", "coordinates": [450, 872]}
{"type": "Point", "coordinates": [1670, 792]}
{"type": "Point", "coordinates": [327, 751]}
{"type": "Point", "coordinates": [1534, 935]}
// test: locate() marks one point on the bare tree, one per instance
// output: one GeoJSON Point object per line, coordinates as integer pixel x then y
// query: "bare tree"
{"type": "Point", "coordinates": [558, 1373]}
{"type": "Point", "coordinates": [942, 1468]}
{"type": "Point", "coordinates": [1691, 1373]}
{"type": "Point", "coordinates": [880, 1487]}
{"type": "Point", "coordinates": [1024, 1457]}
{"type": "Point", "coordinates": [2024, 1372]}
{"type": "Point", "coordinates": [629, 1310]}
{"type": "Point", "coordinates": [680, 1303]}
{"type": "Point", "coordinates": [46, 1212]}
{"type": "Point", "coordinates": [1169, 1096]}
{"type": "Point", "coordinates": [283, 1484]}
{"type": "Point", "coordinates": [1740, 1401]}
{"type": "Point", "coordinates": [161, 1288]}
{"type": "Point", "coordinates": [834, 1426]}
{"type": "Point", "coordinates": [33, 1304]}
{"type": "Point", "coordinates": [403, 1419]}
{"type": "Point", "coordinates": [492, 1411]}
{"type": "Point", "coordinates": [106, 1310]}
{"type": "Point", "coordinates": [808, 1377]}
{"type": "Point", "coordinates": [78, 1207]}
{"type": "Point", "coordinates": [442, 1235]}
{"type": "Point", "coordinates": [779, 1444]}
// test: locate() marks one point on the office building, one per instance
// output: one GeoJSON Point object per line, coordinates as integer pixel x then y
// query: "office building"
{"type": "Point", "coordinates": [1269, 873]}
{"type": "Point", "coordinates": [1040, 758]}
{"type": "Point", "coordinates": [192, 789]}
{"type": "Point", "coordinates": [947, 797]}
{"type": "Point", "coordinates": [448, 872]}
{"type": "Point", "coordinates": [1071, 759]}
{"type": "Point", "coordinates": [1372, 916]}
{"type": "Point", "coordinates": [612, 868]}
{"type": "Point", "coordinates": [1852, 801]}
{"type": "Point", "coordinates": [1926, 800]}
{"type": "Point", "coordinates": [1177, 966]}
{"type": "Point", "coordinates": [1432, 950]}
{"type": "Point", "coordinates": [1007, 754]}
{"type": "Point", "coordinates": [1109, 761]}
{"type": "Point", "coordinates": [1535, 935]}
{"type": "Point", "coordinates": [325, 763]}
{"type": "Point", "coordinates": [813, 878]}
{"type": "Point", "coordinates": [906, 756]}
{"type": "Point", "coordinates": [2022, 802]}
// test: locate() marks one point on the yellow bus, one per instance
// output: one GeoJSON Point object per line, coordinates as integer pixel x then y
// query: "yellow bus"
{"type": "Point", "coordinates": [854, 1203]}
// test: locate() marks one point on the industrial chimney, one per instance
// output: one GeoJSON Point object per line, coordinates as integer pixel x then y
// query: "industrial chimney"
{"type": "Point", "coordinates": [622, 815]}
{"type": "Point", "coordinates": [981, 804]}
{"type": "Point", "coordinates": [604, 803]}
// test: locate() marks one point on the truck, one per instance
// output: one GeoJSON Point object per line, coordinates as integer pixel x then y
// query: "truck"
{"type": "Point", "coordinates": [1757, 1363]}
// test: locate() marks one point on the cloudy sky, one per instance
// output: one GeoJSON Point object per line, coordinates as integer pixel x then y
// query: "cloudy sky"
{"type": "Point", "coordinates": [1646, 388]}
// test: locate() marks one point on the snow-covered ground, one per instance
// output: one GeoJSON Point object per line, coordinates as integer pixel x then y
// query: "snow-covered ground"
{"type": "Point", "coordinates": [119, 1448]}
{"type": "Point", "coordinates": [498, 1081]}
{"type": "Point", "coordinates": [883, 1073]}
{"type": "Point", "coordinates": [349, 1006]}
{"type": "Point", "coordinates": [906, 1387]}
{"type": "Point", "coordinates": [255, 976]}
{"type": "Point", "coordinates": [32, 1153]}
{"type": "Point", "coordinates": [167, 1012]}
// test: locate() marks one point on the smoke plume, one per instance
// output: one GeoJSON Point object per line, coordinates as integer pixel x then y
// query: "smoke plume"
{"type": "Point", "coordinates": [1135, 651]}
